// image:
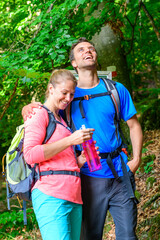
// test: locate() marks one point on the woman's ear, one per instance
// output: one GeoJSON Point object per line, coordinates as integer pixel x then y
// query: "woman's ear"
{"type": "Point", "coordinates": [50, 88]}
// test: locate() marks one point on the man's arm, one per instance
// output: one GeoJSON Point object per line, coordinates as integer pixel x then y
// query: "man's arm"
{"type": "Point", "coordinates": [27, 111]}
{"type": "Point", "coordinates": [137, 142]}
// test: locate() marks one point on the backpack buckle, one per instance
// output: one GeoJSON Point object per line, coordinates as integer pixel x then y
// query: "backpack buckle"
{"type": "Point", "coordinates": [125, 151]}
{"type": "Point", "coordinates": [86, 97]}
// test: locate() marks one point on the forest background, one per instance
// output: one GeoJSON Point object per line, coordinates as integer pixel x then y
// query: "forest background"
{"type": "Point", "coordinates": [35, 38]}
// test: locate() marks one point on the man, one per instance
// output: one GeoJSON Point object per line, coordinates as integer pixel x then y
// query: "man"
{"type": "Point", "coordinates": [101, 191]}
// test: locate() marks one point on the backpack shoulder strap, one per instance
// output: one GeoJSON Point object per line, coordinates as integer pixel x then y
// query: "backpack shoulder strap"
{"type": "Point", "coordinates": [68, 117]}
{"type": "Point", "coordinates": [111, 87]}
{"type": "Point", "coordinates": [51, 125]}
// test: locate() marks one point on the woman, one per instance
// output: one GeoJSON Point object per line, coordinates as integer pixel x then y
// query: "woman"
{"type": "Point", "coordinates": [56, 198]}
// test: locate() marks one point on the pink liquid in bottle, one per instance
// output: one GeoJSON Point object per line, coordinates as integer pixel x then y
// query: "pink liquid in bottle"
{"type": "Point", "coordinates": [92, 157]}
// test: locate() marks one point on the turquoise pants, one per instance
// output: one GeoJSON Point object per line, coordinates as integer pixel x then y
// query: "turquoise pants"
{"type": "Point", "coordinates": [58, 219]}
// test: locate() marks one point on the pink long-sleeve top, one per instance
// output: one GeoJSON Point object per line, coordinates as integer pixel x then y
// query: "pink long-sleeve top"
{"type": "Point", "coordinates": [65, 187]}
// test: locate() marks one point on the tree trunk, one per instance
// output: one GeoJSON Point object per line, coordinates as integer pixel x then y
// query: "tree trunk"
{"type": "Point", "coordinates": [110, 53]}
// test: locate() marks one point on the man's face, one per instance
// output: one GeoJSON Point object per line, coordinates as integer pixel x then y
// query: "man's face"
{"type": "Point", "coordinates": [85, 56]}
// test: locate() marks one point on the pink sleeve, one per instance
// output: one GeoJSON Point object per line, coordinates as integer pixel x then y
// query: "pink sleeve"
{"type": "Point", "coordinates": [35, 131]}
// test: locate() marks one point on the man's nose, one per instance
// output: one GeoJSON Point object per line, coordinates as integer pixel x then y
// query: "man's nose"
{"type": "Point", "coordinates": [87, 50]}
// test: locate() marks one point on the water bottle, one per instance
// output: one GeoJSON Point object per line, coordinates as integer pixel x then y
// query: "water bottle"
{"type": "Point", "coordinates": [91, 155]}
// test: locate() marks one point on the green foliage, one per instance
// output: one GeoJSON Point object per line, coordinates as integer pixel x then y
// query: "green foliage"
{"type": "Point", "coordinates": [148, 168]}
{"type": "Point", "coordinates": [150, 181]}
{"type": "Point", "coordinates": [144, 150]}
{"type": "Point", "coordinates": [138, 195]}
{"type": "Point", "coordinates": [149, 108]}
{"type": "Point", "coordinates": [38, 34]}
{"type": "Point", "coordinates": [36, 37]}
{"type": "Point", "coordinates": [147, 163]}
{"type": "Point", "coordinates": [141, 29]}
{"type": "Point", "coordinates": [147, 144]}
{"type": "Point", "coordinates": [150, 117]}
{"type": "Point", "coordinates": [30, 85]}
{"type": "Point", "coordinates": [152, 226]}
{"type": "Point", "coordinates": [150, 201]}
{"type": "Point", "coordinates": [11, 223]}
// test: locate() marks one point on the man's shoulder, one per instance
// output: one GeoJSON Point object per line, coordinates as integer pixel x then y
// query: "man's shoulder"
{"type": "Point", "coordinates": [112, 82]}
{"type": "Point", "coordinates": [119, 86]}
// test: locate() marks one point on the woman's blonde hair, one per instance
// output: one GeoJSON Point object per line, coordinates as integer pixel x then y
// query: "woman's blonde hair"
{"type": "Point", "coordinates": [59, 76]}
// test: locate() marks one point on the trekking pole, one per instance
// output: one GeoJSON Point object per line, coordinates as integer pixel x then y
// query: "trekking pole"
{"type": "Point", "coordinates": [4, 175]}
{"type": "Point", "coordinates": [3, 172]}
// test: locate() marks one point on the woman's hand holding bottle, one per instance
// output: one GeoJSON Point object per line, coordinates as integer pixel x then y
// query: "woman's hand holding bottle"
{"type": "Point", "coordinates": [80, 136]}
{"type": "Point", "coordinates": [89, 153]}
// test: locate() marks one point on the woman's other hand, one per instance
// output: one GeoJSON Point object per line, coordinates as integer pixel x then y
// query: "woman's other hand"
{"type": "Point", "coordinates": [81, 159]}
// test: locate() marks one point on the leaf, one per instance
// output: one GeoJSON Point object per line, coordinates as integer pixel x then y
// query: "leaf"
{"type": "Point", "coordinates": [53, 55]}
{"type": "Point", "coordinates": [144, 150]}
{"type": "Point", "coordinates": [25, 79]}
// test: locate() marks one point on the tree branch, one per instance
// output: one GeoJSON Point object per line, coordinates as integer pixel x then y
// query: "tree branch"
{"type": "Point", "coordinates": [39, 25]}
{"type": "Point", "coordinates": [8, 103]}
{"type": "Point", "coordinates": [133, 28]}
{"type": "Point", "coordinates": [151, 20]}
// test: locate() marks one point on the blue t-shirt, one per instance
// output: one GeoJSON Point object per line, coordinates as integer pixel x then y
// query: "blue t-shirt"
{"type": "Point", "coordinates": [99, 114]}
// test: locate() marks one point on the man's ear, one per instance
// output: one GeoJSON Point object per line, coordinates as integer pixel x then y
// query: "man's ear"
{"type": "Point", "coordinates": [74, 64]}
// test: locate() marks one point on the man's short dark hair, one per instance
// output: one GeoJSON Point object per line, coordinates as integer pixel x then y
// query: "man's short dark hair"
{"type": "Point", "coordinates": [80, 40]}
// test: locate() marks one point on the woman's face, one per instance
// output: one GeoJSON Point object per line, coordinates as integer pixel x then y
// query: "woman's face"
{"type": "Point", "coordinates": [63, 94]}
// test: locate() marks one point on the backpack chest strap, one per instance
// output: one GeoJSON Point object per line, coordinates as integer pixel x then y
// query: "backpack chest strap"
{"type": "Point", "coordinates": [87, 97]}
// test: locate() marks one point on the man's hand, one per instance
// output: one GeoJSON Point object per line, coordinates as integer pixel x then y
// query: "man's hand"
{"type": "Point", "coordinates": [27, 111]}
{"type": "Point", "coordinates": [133, 165]}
